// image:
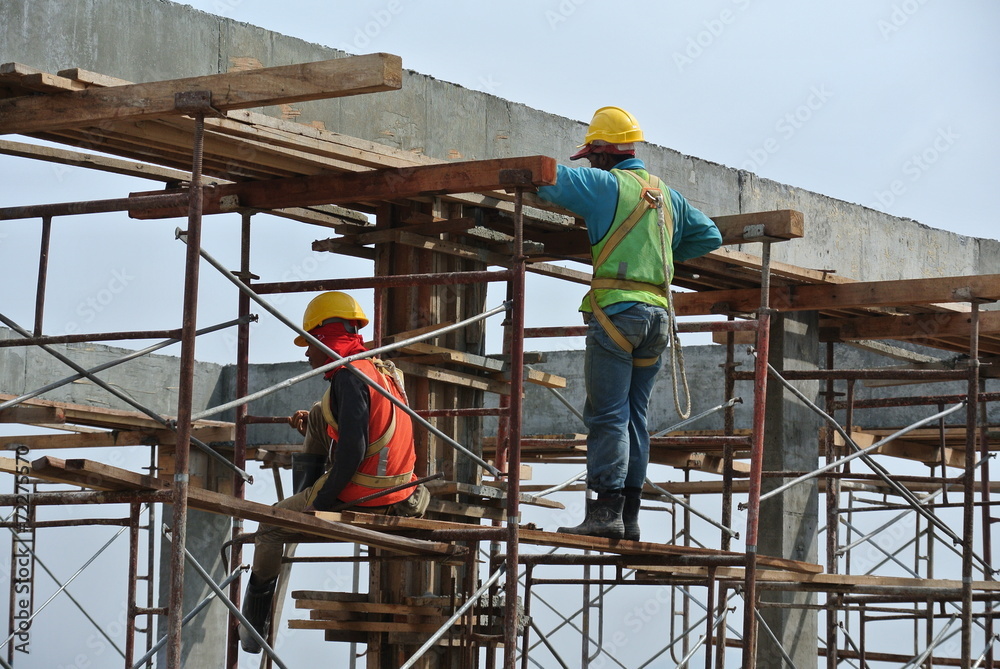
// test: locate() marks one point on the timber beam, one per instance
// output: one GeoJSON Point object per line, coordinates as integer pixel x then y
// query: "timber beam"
{"type": "Point", "coordinates": [286, 84]}
{"type": "Point", "coordinates": [857, 295]}
{"type": "Point", "coordinates": [914, 327]}
{"type": "Point", "coordinates": [371, 186]}
{"type": "Point", "coordinates": [771, 226]}
{"type": "Point", "coordinates": [104, 477]}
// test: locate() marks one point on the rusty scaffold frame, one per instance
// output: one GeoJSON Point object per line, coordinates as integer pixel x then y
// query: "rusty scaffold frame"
{"type": "Point", "coordinates": [505, 558]}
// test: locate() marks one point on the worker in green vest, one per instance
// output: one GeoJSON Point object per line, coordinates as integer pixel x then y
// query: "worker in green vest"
{"type": "Point", "coordinates": [637, 227]}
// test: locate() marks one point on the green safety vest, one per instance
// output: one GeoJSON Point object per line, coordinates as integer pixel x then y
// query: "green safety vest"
{"type": "Point", "coordinates": [632, 262]}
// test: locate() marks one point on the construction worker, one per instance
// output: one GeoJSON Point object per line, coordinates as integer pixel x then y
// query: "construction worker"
{"type": "Point", "coordinates": [365, 438]}
{"type": "Point", "coordinates": [637, 227]}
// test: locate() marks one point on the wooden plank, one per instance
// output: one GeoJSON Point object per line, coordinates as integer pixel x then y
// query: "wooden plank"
{"type": "Point", "coordinates": [330, 595]}
{"type": "Point", "coordinates": [232, 90]}
{"type": "Point", "coordinates": [363, 608]}
{"type": "Point", "coordinates": [840, 582]}
{"type": "Point", "coordinates": [112, 438]}
{"type": "Point", "coordinates": [92, 78]}
{"type": "Point", "coordinates": [90, 440]}
{"type": "Point", "coordinates": [28, 414]}
{"type": "Point", "coordinates": [341, 626]}
{"type": "Point", "coordinates": [914, 327]}
{"type": "Point", "coordinates": [545, 379]}
{"type": "Point", "coordinates": [112, 418]}
{"type": "Point", "coordinates": [370, 186]}
{"type": "Point", "coordinates": [927, 453]}
{"type": "Point", "coordinates": [96, 162]}
{"type": "Point", "coordinates": [34, 80]}
{"type": "Point", "coordinates": [727, 258]}
{"type": "Point", "coordinates": [464, 251]}
{"type": "Point", "coordinates": [542, 538]}
{"type": "Point", "coordinates": [454, 378]}
{"type": "Point", "coordinates": [559, 272]}
{"type": "Point", "coordinates": [467, 510]}
{"type": "Point", "coordinates": [402, 616]}
{"type": "Point", "coordinates": [455, 357]}
{"type": "Point", "coordinates": [903, 292]}
{"type": "Point", "coordinates": [104, 477]}
{"type": "Point", "coordinates": [624, 547]}
{"type": "Point", "coordinates": [442, 487]}
{"type": "Point", "coordinates": [773, 226]}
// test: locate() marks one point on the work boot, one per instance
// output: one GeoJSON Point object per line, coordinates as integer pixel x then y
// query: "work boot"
{"type": "Point", "coordinates": [630, 517]}
{"type": "Point", "coordinates": [257, 610]}
{"type": "Point", "coordinates": [604, 519]}
{"type": "Point", "coordinates": [306, 470]}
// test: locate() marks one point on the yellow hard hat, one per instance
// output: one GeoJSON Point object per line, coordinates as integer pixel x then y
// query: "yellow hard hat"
{"type": "Point", "coordinates": [333, 304]}
{"type": "Point", "coordinates": [613, 125]}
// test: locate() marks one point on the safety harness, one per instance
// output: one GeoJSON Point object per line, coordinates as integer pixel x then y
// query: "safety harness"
{"type": "Point", "coordinates": [650, 197]}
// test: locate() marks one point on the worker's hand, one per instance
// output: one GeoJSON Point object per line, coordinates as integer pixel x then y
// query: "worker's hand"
{"type": "Point", "coordinates": [299, 420]}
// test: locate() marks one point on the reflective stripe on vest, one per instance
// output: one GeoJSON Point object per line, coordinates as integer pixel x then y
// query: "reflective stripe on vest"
{"type": "Point", "coordinates": [389, 459]}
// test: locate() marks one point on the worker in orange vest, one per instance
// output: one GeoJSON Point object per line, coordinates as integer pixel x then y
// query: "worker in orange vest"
{"type": "Point", "coordinates": [357, 443]}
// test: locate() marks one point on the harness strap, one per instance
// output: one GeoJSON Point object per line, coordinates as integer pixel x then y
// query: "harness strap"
{"type": "Point", "coordinates": [627, 284]}
{"type": "Point", "coordinates": [650, 197]}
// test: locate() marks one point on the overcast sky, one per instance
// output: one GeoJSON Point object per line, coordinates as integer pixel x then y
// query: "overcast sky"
{"type": "Point", "coordinates": [890, 104]}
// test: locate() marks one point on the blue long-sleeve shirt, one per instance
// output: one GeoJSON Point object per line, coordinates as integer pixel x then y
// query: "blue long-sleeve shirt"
{"type": "Point", "coordinates": [592, 194]}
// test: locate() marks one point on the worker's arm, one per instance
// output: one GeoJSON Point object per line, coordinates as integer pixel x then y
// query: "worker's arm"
{"type": "Point", "coordinates": [590, 193]}
{"type": "Point", "coordinates": [695, 234]}
{"type": "Point", "coordinates": [350, 402]}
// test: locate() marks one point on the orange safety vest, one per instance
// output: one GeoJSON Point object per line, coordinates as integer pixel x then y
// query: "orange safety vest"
{"type": "Point", "coordinates": [390, 457]}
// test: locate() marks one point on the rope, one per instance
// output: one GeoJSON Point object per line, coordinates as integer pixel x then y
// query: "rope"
{"type": "Point", "coordinates": [677, 368]}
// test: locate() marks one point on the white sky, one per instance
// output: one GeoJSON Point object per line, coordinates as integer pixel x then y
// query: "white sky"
{"type": "Point", "coordinates": [886, 103]}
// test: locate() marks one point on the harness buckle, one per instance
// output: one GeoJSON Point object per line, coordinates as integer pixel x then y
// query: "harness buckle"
{"type": "Point", "coordinates": [653, 196]}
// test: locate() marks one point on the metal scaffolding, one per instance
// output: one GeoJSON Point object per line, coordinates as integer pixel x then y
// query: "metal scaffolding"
{"type": "Point", "coordinates": [493, 618]}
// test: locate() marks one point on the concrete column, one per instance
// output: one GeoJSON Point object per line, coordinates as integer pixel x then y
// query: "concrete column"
{"type": "Point", "coordinates": [204, 638]}
{"type": "Point", "coordinates": [789, 522]}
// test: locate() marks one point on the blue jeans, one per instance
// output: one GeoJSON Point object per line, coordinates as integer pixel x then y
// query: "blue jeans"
{"type": "Point", "coordinates": [618, 397]}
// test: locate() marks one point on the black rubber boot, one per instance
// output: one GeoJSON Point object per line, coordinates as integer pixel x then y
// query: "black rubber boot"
{"type": "Point", "coordinates": [257, 610]}
{"type": "Point", "coordinates": [604, 519]}
{"type": "Point", "coordinates": [630, 517]}
{"type": "Point", "coordinates": [306, 470]}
